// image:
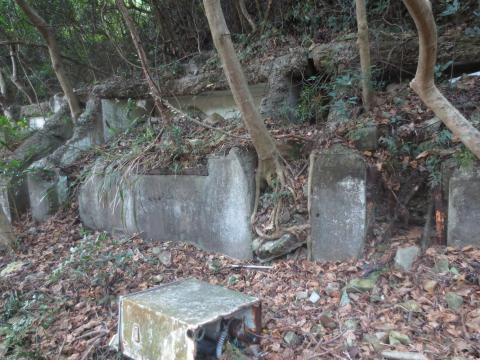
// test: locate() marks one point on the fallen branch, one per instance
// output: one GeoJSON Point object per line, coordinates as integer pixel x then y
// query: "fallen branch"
{"type": "Point", "coordinates": [95, 341]}
{"type": "Point", "coordinates": [251, 267]}
{"type": "Point", "coordinates": [399, 355]}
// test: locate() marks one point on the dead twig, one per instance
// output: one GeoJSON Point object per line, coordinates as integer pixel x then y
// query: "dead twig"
{"type": "Point", "coordinates": [94, 342]}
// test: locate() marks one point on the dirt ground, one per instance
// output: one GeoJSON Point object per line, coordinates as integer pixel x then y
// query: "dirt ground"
{"type": "Point", "coordinates": [61, 302]}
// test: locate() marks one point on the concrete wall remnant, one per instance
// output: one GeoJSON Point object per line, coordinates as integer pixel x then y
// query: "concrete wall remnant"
{"type": "Point", "coordinates": [47, 191]}
{"type": "Point", "coordinates": [211, 211]}
{"type": "Point", "coordinates": [464, 208]}
{"type": "Point", "coordinates": [119, 115]}
{"type": "Point", "coordinates": [337, 204]}
{"type": "Point", "coordinates": [14, 197]}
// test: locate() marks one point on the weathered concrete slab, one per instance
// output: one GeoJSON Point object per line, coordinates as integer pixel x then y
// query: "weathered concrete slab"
{"type": "Point", "coordinates": [464, 208]}
{"type": "Point", "coordinates": [285, 86]}
{"type": "Point", "coordinates": [211, 211]}
{"type": "Point", "coordinates": [47, 191]}
{"type": "Point", "coordinates": [337, 204]}
{"type": "Point", "coordinates": [14, 197]}
{"type": "Point", "coordinates": [39, 109]}
{"type": "Point", "coordinates": [118, 115]}
{"type": "Point", "coordinates": [48, 187]}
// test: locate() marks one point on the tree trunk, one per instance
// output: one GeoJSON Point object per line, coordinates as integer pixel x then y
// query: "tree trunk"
{"type": "Point", "coordinates": [55, 56]}
{"type": "Point", "coordinates": [261, 138]}
{"type": "Point", "coordinates": [364, 49]}
{"type": "Point", "coordinates": [157, 96]}
{"type": "Point", "coordinates": [246, 14]}
{"type": "Point", "coordinates": [396, 54]}
{"type": "Point", "coordinates": [14, 78]}
{"type": "Point", "coordinates": [423, 83]}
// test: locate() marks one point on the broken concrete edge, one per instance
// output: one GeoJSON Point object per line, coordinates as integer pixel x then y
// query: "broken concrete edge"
{"type": "Point", "coordinates": [14, 200]}
{"type": "Point", "coordinates": [337, 182]}
{"type": "Point", "coordinates": [134, 204]}
{"type": "Point", "coordinates": [47, 189]}
{"type": "Point", "coordinates": [117, 115]}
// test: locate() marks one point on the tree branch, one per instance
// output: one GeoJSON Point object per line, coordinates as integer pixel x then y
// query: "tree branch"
{"type": "Point", "coordinates": [424, 84]}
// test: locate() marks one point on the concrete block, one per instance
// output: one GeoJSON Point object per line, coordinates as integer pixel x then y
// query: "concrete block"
{"type": "Point", "coordinates": [464, 208]}
{"type": "Point", "coordinates": [337, 204]}
{"type": "Point", "coordinates": [14, 199]}
{"type": "Point", "coordinates": [47, 191]}
{"type": "Point", "coordinates": [211, 211]}
{"type": "Point", "coordinates": [118, 115]}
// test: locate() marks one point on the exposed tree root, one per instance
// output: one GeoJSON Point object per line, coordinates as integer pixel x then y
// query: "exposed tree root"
{"type": "Point", "coordinates": [277, 177]}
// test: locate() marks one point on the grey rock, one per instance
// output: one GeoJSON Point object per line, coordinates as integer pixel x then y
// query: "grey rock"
{"type": "Point", "coordinates": [158, 278]}
{"type": "Point", "coordinates": [345, 299]}
{"type": "Point", "coordinates": [453, 300]}
{"type": "Point", "coordinates": [214, 119]}
{"type": "Point", "coordinates": [301, 295]}
{"type": "Point", "coordinates": [338, 208]}
{"type": "Point", "coordinates": [292, 339]}
{"type": "Point", "coordinates": [395, 337]}
{"type": "Point", "coordinates": [314, 297]}
{"type": "Point", "coordinates": [351, 324]}
{"type": "Point", "coordinates": [332, 288]}
{"type": "Point", "coordinates": [277, 248]}
{"type": "Point", "coordinates": [118, 115]}
{"type": "Point", "coordinates": [283, 94]}
{"type": "Point", "coordinates": [361, 285]}
{"type": "Point", "coordinates": [441, 265]}
{"type": "Point", "coordinates": [165, 258]}
{"type": "Point", "coordinates": [405, 257]}
{"type": "Point", "coordinates": [373, 340]}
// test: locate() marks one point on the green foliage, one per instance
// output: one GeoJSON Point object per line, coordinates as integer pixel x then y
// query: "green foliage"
{"type": "Point", "coordinates": [465, 158]}
{"type": "Point", "coordinates": [444, 138]}
{"type": "Point", "coordinates": [20, 317]}
{"type": "Point", "coordinates": [433, 165]}
{"type": "Point", "coordinates": [390, 143]}
{"type": "Point", "coordinates": [13, 131]}
{"type": "Point", "coordinates": [312, 103]}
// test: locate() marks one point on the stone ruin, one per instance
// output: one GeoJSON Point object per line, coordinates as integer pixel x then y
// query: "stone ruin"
{"type": "Point", "coordinates": [212, 211]}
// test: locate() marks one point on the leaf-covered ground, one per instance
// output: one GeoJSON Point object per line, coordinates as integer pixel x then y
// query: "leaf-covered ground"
{"type": "Point", "coordinates": [61, 301]}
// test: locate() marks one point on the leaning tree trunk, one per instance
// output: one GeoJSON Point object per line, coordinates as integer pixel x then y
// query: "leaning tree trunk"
{"type": "Point", "coordinates": [154, 90]}
{"type": "Point", "coordinates": [246, 15]}
{"type": "Point", "coordinates": [262, 140]}
{"type": "Point", "coordinates": [55, 56]}
{"type": "Point", "coordinates": [14, 78]}
{"type": "Point", "coordinates": [364, 48]}
{"type": "Point", "coordinates": [423, 83]}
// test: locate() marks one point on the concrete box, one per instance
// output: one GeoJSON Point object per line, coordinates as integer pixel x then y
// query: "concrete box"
{"type": "Point", "coordinates": [182, 320]}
